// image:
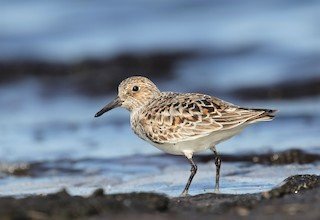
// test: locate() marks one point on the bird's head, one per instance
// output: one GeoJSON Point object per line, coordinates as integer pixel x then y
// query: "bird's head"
{"type": "Point", "coordinates": [133, 93]}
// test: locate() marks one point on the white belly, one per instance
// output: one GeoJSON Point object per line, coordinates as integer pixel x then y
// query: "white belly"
{"type": "Point", "coordinates": [198, 145]}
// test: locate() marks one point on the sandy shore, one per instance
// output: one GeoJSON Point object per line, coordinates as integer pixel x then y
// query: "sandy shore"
{"type": "Point", "coordinates": [297, 197]}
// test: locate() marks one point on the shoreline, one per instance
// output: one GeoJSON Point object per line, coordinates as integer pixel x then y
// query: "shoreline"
{"type": "Point", "coordinates": [296, 197]}
{"type": "Point", "coordinates": [290, 156]}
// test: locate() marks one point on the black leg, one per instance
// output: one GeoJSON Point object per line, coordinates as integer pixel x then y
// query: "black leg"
{"type": "Point", "coordinates": [193, 172]}
{"type": "Point", "coordinates": [218, 165]}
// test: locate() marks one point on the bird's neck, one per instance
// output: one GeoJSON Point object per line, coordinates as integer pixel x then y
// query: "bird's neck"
{"type": "Point", "coordinates": [143, 102]}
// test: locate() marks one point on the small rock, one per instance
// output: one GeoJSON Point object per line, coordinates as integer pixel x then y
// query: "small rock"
{"type": "Point", "coordinates": [293, 185]}
{"type": "Point", "coordinates": [98, 193]}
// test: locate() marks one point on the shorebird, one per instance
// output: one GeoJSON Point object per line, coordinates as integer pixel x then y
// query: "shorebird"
{"type": "Point", "coordinates": [182, 123]}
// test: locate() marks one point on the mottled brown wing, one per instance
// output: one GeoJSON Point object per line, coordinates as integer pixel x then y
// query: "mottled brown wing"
{"type": "Point", "coordinates": [181, 117]}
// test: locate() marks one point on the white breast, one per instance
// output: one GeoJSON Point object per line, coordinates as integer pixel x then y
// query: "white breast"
{"type": "Point", "coordinates": [198, 145]}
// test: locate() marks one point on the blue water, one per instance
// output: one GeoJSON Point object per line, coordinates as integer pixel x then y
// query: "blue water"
{"type": "Point", "coordinates": [37, 128]}
{"type": "Point", "coordinates": [279, 40]}
{"type": "Point", "coordinates": [69, 30]}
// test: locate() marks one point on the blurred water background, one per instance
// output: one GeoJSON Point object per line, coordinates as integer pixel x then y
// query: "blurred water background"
{"type": "Point", "coordinates": [61, 61]}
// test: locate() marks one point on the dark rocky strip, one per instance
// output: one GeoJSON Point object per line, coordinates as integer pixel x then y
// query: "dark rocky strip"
{"type": "Point", "coordinates": [294, 184]}
{"type": "Point", "coordinates": [284, 90]}
{"type": "Point", "coordinates": [96, 76]}
{"type": "Point", "coordinates": [273, 158]}
{"type": "Point", "coordinates": [297, 198]}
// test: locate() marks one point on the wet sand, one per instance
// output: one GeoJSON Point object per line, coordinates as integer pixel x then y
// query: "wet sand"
{"type": "Point", "coordinates": [297, 197]}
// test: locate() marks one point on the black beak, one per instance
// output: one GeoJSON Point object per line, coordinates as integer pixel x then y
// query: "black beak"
{"type": "Point", "coordinates": [114, 104]}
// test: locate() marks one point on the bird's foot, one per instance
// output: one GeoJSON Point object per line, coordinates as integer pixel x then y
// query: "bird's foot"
{"type": "Point", "coordinates": [216, 190]}
{"type": "Point", "coordinates": [184, 194]}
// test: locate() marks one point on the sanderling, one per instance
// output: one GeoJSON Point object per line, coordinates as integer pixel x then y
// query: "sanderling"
{"type": "Point", "coordinates": [182, 123]}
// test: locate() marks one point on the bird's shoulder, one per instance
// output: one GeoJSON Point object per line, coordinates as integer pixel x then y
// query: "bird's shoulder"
{"type": "Point", "coordinates": [174, 117]}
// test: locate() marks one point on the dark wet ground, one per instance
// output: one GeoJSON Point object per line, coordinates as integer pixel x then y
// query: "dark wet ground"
{"type": "Point", "coordinates": [93, 76]}
{"type": "Point", "coordinates": [273, 158]}
{"type": "Point", "coordinates": [97, 77]}
{"type": "Point", "coordinates": [284, 90]}
{"type": "Point", "coordinates": [297, 197]}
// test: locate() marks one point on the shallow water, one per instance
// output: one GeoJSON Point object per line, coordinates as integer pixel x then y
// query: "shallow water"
{"type": "Point", "coordinates": [37, 128]}
{"type": "Point", "coordinates": [252, 44]}
{"type": "Point", "coordinates": [148, 174]}
{"type": "Point", "coordinates": [68, 30]}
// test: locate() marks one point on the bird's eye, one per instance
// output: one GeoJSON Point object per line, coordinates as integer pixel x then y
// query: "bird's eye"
{"type": "Point", "coordinates": [135, 88]}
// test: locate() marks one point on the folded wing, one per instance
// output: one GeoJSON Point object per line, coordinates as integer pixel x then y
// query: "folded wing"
{"type": "Point", "coordinates": [181, 117]}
